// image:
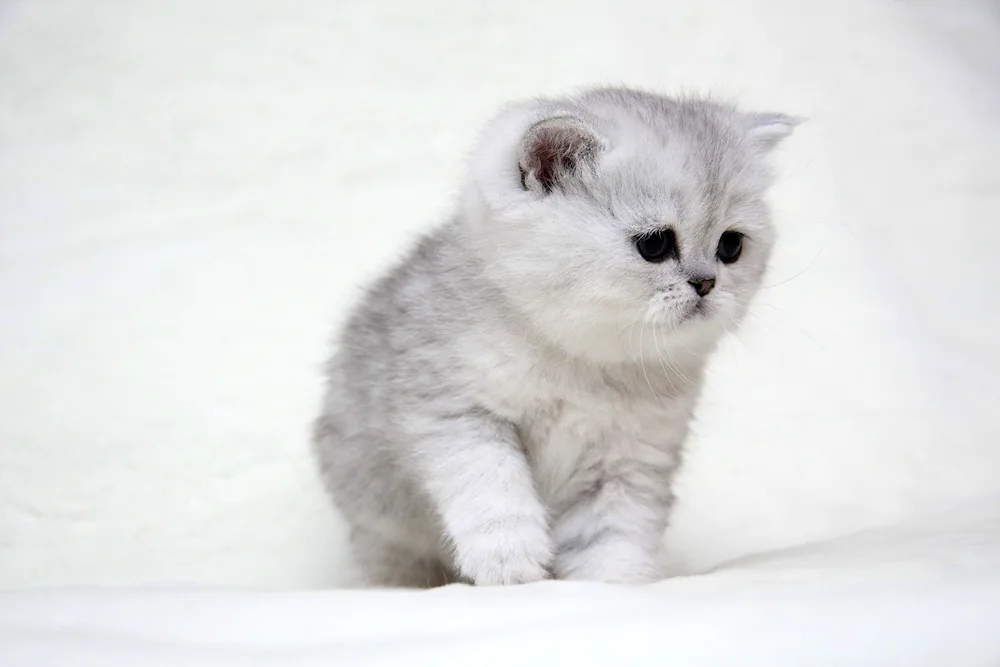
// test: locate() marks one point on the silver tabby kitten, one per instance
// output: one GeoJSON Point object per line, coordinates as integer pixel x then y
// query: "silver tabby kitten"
{"type": "Point", "coordinates": [510, 402]}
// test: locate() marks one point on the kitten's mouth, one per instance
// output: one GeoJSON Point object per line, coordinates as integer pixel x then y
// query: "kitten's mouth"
{"type": "Point", "coordinates": [700, 309]}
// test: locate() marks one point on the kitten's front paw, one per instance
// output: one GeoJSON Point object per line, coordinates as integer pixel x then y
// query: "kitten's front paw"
{"type": "Point", "coordinates": [611, 563]}
{"type": "Point", "coordinates": [511, 555]}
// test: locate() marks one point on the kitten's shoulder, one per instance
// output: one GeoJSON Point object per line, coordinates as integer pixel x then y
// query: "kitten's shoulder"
{"type": "Point", "coordinates": [421, 290]}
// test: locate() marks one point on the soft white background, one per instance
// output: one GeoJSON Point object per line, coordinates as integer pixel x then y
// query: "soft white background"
{"type": "Point", "coordinates": [191, 192]}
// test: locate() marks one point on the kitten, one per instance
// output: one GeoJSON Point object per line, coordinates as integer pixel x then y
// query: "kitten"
{"type": "Point", "coordinates": [510, 402]}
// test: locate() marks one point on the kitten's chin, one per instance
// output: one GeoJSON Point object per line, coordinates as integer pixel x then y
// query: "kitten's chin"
{"type": "Point", "coordinates": [610, 337]}
{"type": "Point", "coordinates": [687, 340]}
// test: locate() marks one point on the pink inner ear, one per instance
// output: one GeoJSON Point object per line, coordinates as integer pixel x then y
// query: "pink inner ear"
{"type": "Point", "coordinates": [553, 150]}
{"type": "Point", "coordinates": [554, 158]}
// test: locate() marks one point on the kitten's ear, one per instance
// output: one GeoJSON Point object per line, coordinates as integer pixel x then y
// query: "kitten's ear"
{"type": "Point", "coordinates": [767, 130]}
{"type": "Point", "coordinates": [554, 150]}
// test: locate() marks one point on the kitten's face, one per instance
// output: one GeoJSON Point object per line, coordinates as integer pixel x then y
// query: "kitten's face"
{"type": "Point", "coordinates": [625, 237]}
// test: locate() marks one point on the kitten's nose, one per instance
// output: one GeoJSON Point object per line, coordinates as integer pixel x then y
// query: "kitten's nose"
{"type": "Point", "coordinates": [702, 285]}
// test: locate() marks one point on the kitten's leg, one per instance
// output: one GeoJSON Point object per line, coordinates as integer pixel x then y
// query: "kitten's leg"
{"type": "Point", "coordinates": [614, 533]}
{"type": "Point", "coordinates": [386, 563]}
{"type": "Point", "coordinates": [478, 479]}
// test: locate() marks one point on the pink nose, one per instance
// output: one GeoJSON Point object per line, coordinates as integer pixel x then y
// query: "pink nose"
{"type": "Point", "coordinates": [702, 285]}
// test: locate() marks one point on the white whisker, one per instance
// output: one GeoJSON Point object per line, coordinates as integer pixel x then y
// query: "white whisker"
{"type": "Point", "coordinates": [663, 363]}
{"type": "Point", "coordinates": [642, 361]}
{"type": "Point", "coordinates": [675, 364]}
{"type": "Point", "coordinates": [809, 266]}
{"type": "Point", "coordinates": [631, 328]}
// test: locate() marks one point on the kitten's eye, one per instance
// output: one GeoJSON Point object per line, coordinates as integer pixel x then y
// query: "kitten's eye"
{"type": "Point", "coordinates": [657, 246]}
{"type": "Point", "coordinates": [730, 247]}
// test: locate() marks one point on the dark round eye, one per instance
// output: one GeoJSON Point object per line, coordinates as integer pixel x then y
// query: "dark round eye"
{"type": "Point", "coordinates": [730, 247]}
{"type": "Point", "coordinates": [657, 246]}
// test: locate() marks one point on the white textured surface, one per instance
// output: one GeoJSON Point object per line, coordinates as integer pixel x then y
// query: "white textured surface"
{"type": "Point", "coordinates": [917, 595]}
{"type": "Point", "coordinates": [191, 191]}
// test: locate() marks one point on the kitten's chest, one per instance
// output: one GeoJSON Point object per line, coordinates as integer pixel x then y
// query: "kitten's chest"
{"type": "Point", "coordinates": [574, 445]}
{"type": "Point", "coordinates": [579, 426]}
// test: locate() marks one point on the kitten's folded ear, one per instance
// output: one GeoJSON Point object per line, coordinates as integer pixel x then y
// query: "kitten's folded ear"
{"type": "Point", "coordinates": [554, 150]}
{"type": "Point", "coordinates": [767, 130]}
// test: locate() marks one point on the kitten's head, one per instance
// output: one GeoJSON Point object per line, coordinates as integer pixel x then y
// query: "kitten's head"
{"type": "Point", "coordinates": [620, 222]}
